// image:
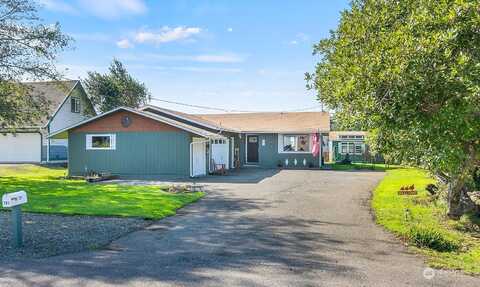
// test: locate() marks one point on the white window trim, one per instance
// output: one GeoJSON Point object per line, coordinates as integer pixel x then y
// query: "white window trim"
{"type": "Point", "coordinates": [280, 144]}
{"type": "Point", "coordinates": [113, 141]}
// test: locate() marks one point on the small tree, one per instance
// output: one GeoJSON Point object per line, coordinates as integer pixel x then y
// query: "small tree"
{"type": "Point", "coordinates": [409, 72]}
{"type": "Point", "coordinates": [28, 50]}
{"type": "Point", "coordinates": [116, 88]}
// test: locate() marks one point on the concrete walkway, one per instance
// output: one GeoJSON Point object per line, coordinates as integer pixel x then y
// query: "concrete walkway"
{"type": "Point", "coordinates": [292, 228]}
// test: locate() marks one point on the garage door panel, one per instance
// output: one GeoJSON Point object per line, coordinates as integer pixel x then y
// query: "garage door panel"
{"type": "Point", "coordinates": [20, 147]}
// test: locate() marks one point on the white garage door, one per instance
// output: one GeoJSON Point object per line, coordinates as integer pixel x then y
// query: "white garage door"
{"type": "Point", "coordinates": [20, 147]}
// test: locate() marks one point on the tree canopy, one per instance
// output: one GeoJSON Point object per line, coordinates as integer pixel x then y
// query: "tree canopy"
{"type": "Point", "coordinates": [28, 51]}
{"type": "Point", "coordinates": [409, 72]}
{"type": "Point", "coordinates": [115, 88]}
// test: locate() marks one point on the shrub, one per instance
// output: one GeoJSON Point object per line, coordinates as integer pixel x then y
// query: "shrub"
{"type": "Point", "coordinates": [433, 238]}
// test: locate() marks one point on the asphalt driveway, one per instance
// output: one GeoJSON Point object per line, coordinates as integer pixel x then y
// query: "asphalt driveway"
{"type": "Point", "coordinates": [292, 228]}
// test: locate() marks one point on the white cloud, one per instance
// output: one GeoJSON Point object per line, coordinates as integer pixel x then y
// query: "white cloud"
{"type": "Point", "coordinates": [57, 6]}
{"type": "Point", "coordinates": [112, 9]}
{"type": "Point", "coordinates": [300, 38]}
{"type": "Point", "coordinates": [229, 58]}
{"type": "Point", "coordinates": [207, 69]}
{"type": "Point", "coordinates": [230, 29]}
{"type": "Point", "coordinates": [303, 37]}
{"type": "Point", "coordinates": [225, 58]}
{"type": "Point", "coordinates": [92, 37]}
{"type": "Point", "coordinates": [166, 34]}
{"type": "Point", "coordinates": [124, 44]}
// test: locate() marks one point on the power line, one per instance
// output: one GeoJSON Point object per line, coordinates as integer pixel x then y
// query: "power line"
{"type": "Point", "coordinates": [228, 110]}
{"type": "Point", "coordinates": [201, 107]}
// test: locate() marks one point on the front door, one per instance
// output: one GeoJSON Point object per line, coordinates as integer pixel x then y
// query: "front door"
{"type": "Point", "coordinates": [252, 149]}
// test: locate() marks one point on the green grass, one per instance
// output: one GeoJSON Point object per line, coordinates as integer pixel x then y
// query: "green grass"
{"type": "Point", "coordinates": [49, 192]}
{"type": "Point", "coordinates": [422, 223]}
{"type": "Point", "coordinates": [358, 166]}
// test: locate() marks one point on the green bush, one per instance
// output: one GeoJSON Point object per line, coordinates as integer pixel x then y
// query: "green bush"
{"type": "Point", "coordinates": [433, 238]}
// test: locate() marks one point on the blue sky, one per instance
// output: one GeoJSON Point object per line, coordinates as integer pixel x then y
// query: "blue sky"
{"type": "Point", "coordinates": [239, 55]}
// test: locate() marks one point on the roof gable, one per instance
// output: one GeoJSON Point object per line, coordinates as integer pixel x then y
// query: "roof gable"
{"type": "Point", "coordinates": [113, 122]}
{"type": "Point", "coordinates": [55, 92]}
{"type": "Point", "coordinates": [167, 121]}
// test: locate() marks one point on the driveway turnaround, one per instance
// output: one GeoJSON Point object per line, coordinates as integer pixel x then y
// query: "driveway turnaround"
{"type": "Point", "coordinates": [258, 228]}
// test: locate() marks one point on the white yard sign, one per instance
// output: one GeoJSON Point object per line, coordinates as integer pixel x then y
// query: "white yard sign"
{"type": "Point", "coordinates": [14, 199]}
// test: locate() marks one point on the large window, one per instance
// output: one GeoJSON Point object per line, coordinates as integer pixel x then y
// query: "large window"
{"type": "Point", "coordinates": [107, 142]}
{"type": "Point", "coordinates": [351, 148]}
{"type": "Point", "coordinates": [296, 143]}
{"type": "Point", "coordinates": [75, 105]}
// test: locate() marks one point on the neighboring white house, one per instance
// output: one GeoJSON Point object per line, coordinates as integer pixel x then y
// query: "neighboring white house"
{"type": "Point", "coordinates": [68, 105]}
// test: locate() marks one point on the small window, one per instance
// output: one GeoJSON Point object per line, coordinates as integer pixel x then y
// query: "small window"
{"type": "Point", "coordinates": [75, 105]}
{"type": "Point", "coordinates": [358, 149]}
{"type": "Point", "coordinates": [347, 147]}
{"type": "Point", "coordinates": [296, 143]}
{"type": "Point", "coordinates": [107, 142]}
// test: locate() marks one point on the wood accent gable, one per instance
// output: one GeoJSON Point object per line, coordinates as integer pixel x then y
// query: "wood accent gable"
{"type": "Point", "coordinates": [113, 123]}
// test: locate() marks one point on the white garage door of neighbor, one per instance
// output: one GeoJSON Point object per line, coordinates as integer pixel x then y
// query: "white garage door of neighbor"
{"type": "Point", "coordinates": [220, 152]}
{"type": "Point", "coordinates": [199, 159]}
{"type": "Point", "coordinates": [20, 147]}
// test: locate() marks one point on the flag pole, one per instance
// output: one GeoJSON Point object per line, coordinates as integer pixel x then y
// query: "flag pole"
{"type": "Point", "coordinates": [320, 148]}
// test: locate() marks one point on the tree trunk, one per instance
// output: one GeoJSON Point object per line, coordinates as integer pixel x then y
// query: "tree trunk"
{"type": "Point", "coordinates": [459, 202]}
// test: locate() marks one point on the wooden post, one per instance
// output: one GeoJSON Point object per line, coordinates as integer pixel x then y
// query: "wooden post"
{"type": "Point", "coordinates": [320, 148]}
{"type": "Point", "coordinates": [17, 226]}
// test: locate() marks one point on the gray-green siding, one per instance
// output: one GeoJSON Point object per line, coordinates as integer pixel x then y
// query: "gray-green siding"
{"type": "Point", "coordinates": [269, 157]}
{"type": "Point", "coordinates": [137, 154]}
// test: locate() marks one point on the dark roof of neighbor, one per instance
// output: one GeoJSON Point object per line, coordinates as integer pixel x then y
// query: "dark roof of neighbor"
{"type": "Point", "coordinates": [54, 92]}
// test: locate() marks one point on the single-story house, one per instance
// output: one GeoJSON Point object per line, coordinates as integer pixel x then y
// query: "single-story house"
{"type": "Point", "coordinates": [154, 141]}
{"type": "Point", "coordinates": [67, 104]}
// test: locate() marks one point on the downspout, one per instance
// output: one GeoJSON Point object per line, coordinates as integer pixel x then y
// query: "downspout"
{"type": "Point", "coordinates": [48, 143]}
{"type": "Point", "coordinates": [41, 145]}
{"type": "Point", "coordinates": [191, 159]}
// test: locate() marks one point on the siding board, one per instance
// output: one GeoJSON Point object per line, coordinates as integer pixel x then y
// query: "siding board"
{"type": "Point", "coordinates": [137, 154]}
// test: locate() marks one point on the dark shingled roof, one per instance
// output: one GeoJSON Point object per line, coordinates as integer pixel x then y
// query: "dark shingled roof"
{"type": "Point", "coordinates": [53, 91]}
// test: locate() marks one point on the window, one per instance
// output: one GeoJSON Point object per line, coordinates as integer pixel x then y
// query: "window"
{"type": "Point", "coordinates": [296, 143]}
{"type": "Point", "coordinates": [351, 148]}
{"type": "Point", "coordinates": [107, 142]}
{"type": "Point", "coordinates": [358, 149]}
{"type": "Point", "coordinates": [75, 105]}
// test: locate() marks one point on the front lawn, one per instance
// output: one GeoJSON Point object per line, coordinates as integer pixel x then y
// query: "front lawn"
{"type": "Point", "coordinates": [357, 166]}
{"type": "Point", "coordinates": [48, 192]}
{"type": "Point", "coordinates": [421, 222]}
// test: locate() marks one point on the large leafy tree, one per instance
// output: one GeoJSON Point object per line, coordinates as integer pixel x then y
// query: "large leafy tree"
{"type": "Point", "coordinates": [409, 72]}
{"type": "Point", "coordinates": [116, 88]}
{"type": "Point", "coordinates": [28, 51]}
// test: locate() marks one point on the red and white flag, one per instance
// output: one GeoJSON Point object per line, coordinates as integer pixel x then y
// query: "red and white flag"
{"type": "Point", "coordinates": [315, 145]}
